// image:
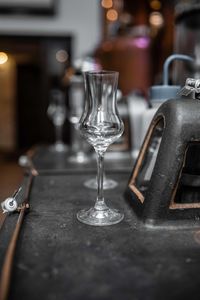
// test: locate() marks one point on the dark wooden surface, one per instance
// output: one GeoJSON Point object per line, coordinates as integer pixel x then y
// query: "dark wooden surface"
{"type": "Point", "coordinates": [59, 258]}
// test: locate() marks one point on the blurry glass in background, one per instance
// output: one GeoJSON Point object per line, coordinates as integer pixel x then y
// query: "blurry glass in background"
{"type": "Point", "coordinates": [136, 39]}
{"type": "Point", "coordinates": [57, 113]}
{"type": "Point", "coordinates": [35, 65]}
{"type": "Point", "coordinates": [79, 149]}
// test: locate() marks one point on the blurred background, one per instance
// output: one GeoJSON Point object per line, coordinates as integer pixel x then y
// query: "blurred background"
{"type": "Point", "coordinates": [45, 43]}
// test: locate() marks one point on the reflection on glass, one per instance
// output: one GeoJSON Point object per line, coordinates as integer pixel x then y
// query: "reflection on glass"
{"type": "Point", "coordinates": [149, 160]}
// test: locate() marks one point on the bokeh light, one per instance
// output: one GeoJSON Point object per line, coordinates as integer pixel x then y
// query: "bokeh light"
{"type": "Point", "coordinates": [62, 56]}
{"type": "Point", "coordinates": [107, 3]}
{"type": "Point", "coordinates": [155, 4]}
{"type": "Point", "coordinates": [156, 19]}
{"type": "Point", "coordinates": [3, 58]}
{"type": "Point", "coordinates": [112, 15]}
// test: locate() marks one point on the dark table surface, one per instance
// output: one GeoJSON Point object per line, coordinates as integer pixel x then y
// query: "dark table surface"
{"type": "Point", "coordinates": [57, 257]}
{"type": "Point", "coordinates": [46, 160]}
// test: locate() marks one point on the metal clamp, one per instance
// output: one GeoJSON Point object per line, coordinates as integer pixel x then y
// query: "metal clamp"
{"type": "Point", "coordinates": [191, 85]}
{"type": "Point", "coordinates": [10, 204]}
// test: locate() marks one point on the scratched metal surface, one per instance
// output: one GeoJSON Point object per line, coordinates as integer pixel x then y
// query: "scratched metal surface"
{"type": "Point", "coordinates": [59, 258]}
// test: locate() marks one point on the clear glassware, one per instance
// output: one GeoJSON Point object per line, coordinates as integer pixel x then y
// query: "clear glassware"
{"type": "Point", "coordinates": [92, 183]}
{"type": "Point", "coordinates": [100, 125]}
{"type": "Point", "coordinates": [79, 148]}
{"type": "Point", "coordinates": [56, 112]}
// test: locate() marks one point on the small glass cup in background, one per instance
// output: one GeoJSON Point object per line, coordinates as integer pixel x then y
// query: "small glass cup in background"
{"type": "Point", "coordinates": [57, 113]}
{"type": "Point", "coordinates": [79, 148]}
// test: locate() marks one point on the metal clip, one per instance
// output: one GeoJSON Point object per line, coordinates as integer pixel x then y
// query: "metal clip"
{"type": "Point", "coordinates": [10, 204]}
{"type": "Point", "coordinates": [191, 85]}
{"type": "Point", "coordinates": [23, 206]}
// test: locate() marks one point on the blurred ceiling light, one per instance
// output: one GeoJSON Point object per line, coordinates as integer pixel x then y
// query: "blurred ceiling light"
{"type": "Point", "coordinates": [155, 4]}
{"type": "Point", "coordinates": [3, 58]}
{"type": "Point", "coordinates": [61, 56]}
{"type": "Point", "coordinates": [156, 19]}
{"type": "Point", "coordinates": [107, 3]}
{"type": "Point", "coordinates": [112, 15]}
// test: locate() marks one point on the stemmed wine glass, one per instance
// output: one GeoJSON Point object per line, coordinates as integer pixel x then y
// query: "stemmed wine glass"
{"type": "Point", "coordinates": [56, 112]}
{"type": "Point", "coordinates": [92, 183]}
{"type": "Point", "coordinates": [100, 125]}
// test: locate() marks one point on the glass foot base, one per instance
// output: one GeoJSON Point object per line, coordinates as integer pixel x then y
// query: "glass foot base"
{"type": "Point", "coordinates": [100, 217]}
{"type": "Point", "coordinates": [79, 158]}
{"type": "Point", "coordinates": [59, 147]}
{"type": "Point", "coordinates": [107, 184]}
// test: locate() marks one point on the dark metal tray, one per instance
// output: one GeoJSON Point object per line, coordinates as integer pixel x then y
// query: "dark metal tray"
{"type": "Point", "coordinates": [59, 258]}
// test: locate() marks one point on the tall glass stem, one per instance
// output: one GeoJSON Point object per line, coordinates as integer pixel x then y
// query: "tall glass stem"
{"type": "Point", "coordinates": [100, 204]}
{"type": "Point", "coordinates": [58, 133]}
{"type": "Point", "coordinates": [76, 141]}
